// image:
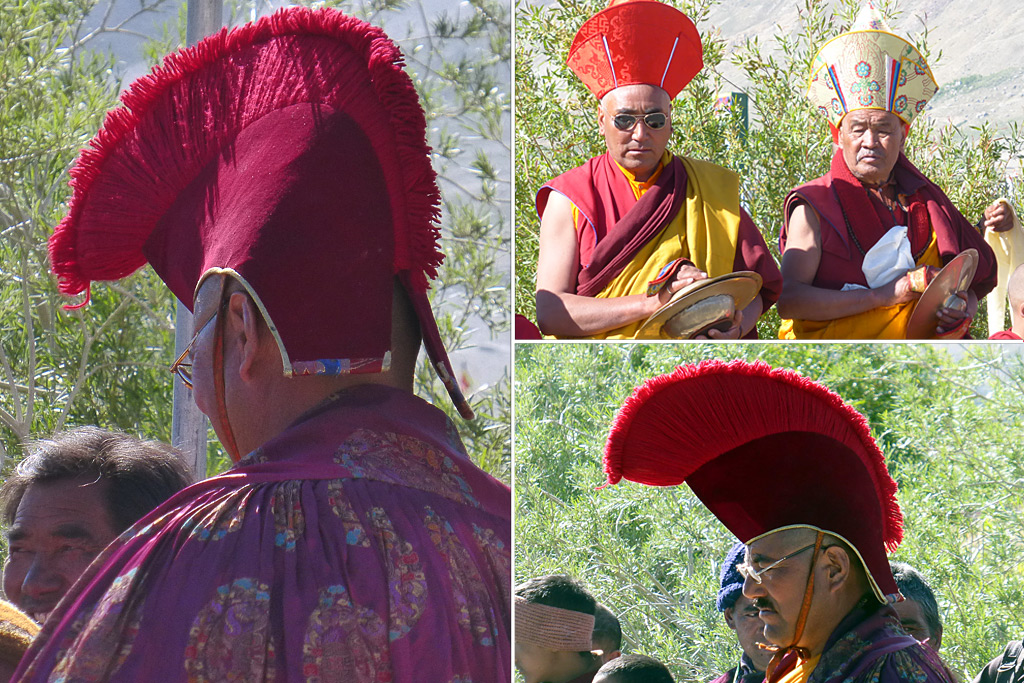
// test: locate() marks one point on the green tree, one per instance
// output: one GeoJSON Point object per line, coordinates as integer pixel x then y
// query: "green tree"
{"type": "Point", "coordinates": [103, 364]}
{"type": "Point", "coordinates": [786, 144]}
{"type": "Point", "coordinates": [107, 363]}
{"type": "Point", "coordinates": [947, 418]}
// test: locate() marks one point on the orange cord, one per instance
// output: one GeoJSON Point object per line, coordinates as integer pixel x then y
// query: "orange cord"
{"type": "Point", "coordinates": [798, 653]}
{"type": "Point", "coordinates": [228, 438]}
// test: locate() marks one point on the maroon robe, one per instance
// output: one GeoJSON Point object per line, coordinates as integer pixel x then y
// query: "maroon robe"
{"type": "Point", "coordinates": [841, 260]}
{"type": "Point", "coordinates": [361, 544]}
{"type": "Point", "coordinates": [613, 225]}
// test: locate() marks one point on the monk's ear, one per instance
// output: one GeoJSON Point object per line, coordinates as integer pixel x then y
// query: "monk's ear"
{"type": "Point", "coordinates": [247, 319]}
{"type": "Point", "coordinates": [838, 566]}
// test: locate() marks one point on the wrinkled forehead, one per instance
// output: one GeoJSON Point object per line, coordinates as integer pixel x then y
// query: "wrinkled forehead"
{"type": "Point", "coordinates": [637, 98]}
{"type": "Point", "coordinates": [80, 499]}
{"type": "Point", "coordinates": [877, 118]}
{"type": "Point", "coordinates": [780, 542]}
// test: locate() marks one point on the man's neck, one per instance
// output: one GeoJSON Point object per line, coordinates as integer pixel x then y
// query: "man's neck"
{"type": "Point", "coordinates": [642, 176]}
{"type": "Point", "coordinates": [293, 397]}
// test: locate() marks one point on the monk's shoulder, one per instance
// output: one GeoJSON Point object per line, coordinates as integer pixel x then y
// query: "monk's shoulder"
{"type": "Point", "coordinates": [584, 171]}
{"type": "Point", "coordinates": [709, 170]}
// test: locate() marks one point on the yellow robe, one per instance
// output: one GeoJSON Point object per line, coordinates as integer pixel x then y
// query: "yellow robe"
{"type": "Point", "coordinates": [886, 322]}
{"type": "Point", "coordinates": [802, 671]}
{"type": "Point", "coordinates": [705, 231]}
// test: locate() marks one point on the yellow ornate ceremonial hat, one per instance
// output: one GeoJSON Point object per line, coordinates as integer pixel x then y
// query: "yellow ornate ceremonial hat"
{"type": "Point", "coordinates": [869, 67]}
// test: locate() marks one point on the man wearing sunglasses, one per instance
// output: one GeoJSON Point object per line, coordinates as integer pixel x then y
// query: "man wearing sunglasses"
{"type": "Point", "coordinates": [624, 231]}
{"type": "Point", "coordinates": [815, 506]}
{"type": "Point", "coordinates": [860, 242]}
{"type": "Point", "coordinates": [291, 202]}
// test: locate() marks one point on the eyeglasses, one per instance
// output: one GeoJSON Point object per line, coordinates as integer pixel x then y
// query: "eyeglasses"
{"type": "Point", "coordinates": [754, 575]}
{"type": "Point", "coordinates": [182, 368]}
{"type": "Point", "coordinates": [626, 122]}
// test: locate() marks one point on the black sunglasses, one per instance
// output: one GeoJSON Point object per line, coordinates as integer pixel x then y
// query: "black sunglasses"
{"type": "Point", "coordinates": [654, 121]}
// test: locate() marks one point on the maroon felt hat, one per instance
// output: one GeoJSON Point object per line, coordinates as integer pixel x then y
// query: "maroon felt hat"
{"type": "Point", "coordinates": [764, 449]}
{"type": "Point", "coordinates": [289, 153]}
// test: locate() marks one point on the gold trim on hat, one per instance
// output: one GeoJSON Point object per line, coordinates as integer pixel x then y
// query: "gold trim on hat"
{"type": "Point", "coordinates": [882, 597]}
{"type": "Point", "coordinates": [288, 368]}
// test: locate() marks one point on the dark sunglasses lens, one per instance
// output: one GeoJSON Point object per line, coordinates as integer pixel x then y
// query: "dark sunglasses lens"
{"type": "Point", "coordinates": [655, 121]}
{"type": "Point", "coordinates": [624, 121]}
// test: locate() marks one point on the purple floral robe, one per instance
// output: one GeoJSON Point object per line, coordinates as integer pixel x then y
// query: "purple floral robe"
{"type": "Point", "coordinates": [359, 545]}
{"type": "Point", "coordinates": [870, 646]}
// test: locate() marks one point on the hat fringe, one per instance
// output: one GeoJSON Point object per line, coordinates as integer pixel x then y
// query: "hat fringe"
{"type": "Point", "coordinates": [156, 185]}
{"type": "Point", "coordinates": [700, 426]}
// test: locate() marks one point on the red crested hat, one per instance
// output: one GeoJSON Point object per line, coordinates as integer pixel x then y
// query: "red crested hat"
{"type": "Point", "coordinates": [289, 153]}
{"type": "Point", "coordinates": [764, 449]}
{"type": "Point", "coordinates": [636, 42]}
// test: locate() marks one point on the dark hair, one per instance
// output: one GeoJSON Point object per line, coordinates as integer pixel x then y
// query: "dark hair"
{"type": "Point", "coordinates": [557, 590]}
{"type": "Point", "coordinates": [607, 630]}
{"type": "Point", "coordinates": [912, 584]}
{"type": "Point", "coordinates": [140, 474]}
{"type": "Point", "coordinates": [636, 669]}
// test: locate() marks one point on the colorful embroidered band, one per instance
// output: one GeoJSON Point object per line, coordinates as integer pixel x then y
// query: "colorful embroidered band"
{"type": "Point", "coordinates": [562, 630]}
{"type": "Point", "coordinates": [869, 67]}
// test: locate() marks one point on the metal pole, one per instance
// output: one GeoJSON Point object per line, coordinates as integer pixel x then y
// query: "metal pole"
{"type": "Point", "coordinates": [205, 17]}
{"type": "Point", "coordinates": [188, 425]}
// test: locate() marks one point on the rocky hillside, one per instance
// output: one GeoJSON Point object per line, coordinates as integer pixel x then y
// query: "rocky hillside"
{"type": "Point", "coordinates": [981, 67]}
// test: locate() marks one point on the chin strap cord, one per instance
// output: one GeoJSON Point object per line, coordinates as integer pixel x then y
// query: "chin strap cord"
{"type": "Point", "coordinates": [227, 436]}
{"type": "Point", "coordinates": [788, 658]}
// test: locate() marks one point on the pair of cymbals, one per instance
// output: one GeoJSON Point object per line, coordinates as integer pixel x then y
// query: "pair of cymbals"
{"type": "Point", "coordinates": [702, 306]}
{"type": "Point", "coordinates": [955, 277]}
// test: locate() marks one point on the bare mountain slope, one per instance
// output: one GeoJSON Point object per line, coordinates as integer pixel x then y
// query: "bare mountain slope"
{"type": "Point", "coordinates": [981, 67]}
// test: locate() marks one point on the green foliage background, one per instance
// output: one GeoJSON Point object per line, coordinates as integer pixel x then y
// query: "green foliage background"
{"type": "Point", "coordinates": [948, 418]}
{"type": "Point", "coordinates": [106, 364]}
{"type": "Point", "coordinates": [787, 143]}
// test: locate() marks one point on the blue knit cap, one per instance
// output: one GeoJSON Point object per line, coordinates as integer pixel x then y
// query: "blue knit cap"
{"type": "Point", "coordinates": [731, 579]}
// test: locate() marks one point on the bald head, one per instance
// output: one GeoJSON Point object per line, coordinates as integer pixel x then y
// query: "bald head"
{"type": "Point", "coordinates": [257, 400]}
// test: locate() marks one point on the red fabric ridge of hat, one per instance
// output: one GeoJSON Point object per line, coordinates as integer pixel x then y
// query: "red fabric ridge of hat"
{"type": "Point", "coordinates": [763, 449]}
{"type": "Point", "coordinates": [636, 42]}
{"type": "Point", "coordinates": [290, 153]}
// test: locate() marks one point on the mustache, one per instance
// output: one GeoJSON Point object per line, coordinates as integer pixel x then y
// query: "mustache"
{"type": "Point", "coordinates": [763, 603]}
